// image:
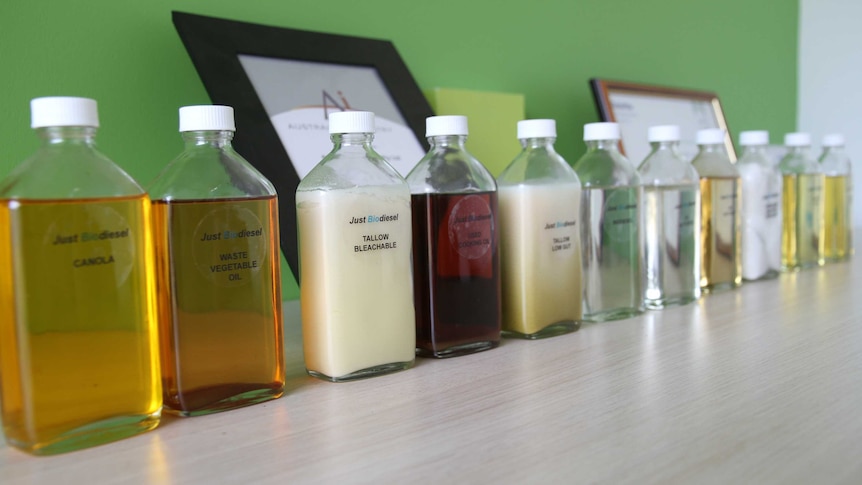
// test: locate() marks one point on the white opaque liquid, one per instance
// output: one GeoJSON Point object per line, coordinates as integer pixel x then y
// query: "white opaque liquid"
{"type": "Point", "coordinates": [356, 288]}
{"type": "Point", "coordinates": [761, 222]}
{"type": "Point", "coordinates": [672, 245]}
{"type": "Point", "coordinates": [541, 256]}
{"type": "Point", "coordinates": [611, 253]}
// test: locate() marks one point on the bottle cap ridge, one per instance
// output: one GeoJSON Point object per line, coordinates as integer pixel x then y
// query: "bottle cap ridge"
{"type": "Point", "coordinates": [351, 122]}
{"type": "Point", "coordinates": [797, 139]}
{"type": "Point", "coordinates": [446, 125]}
{"type": "Point", "coordinates": [710, 136]}
{"type": "Point", "coordinates": [206, 118]}
{"type": "Point", "coordinates": [601, 131]}
{"type": "Point", "coordinates": [833, 140]}
{"type": "Point", "coordinates": [663, 133]}
{"type": "Point", "coordinates": [63, 111]}
{"type": "Point", "coordinates": [754, 138]}
{"type": "Point", "coordinates": [537, 129]}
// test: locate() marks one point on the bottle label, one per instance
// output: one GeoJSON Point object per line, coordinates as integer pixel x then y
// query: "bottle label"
{"type": "Point", "coordinates": [87, 257]}
{"type": "Point", "coordinates": [92, 237]}
{"type": "Point", "coordinates": [467, 235]}
{"type": "Point", "coordinates": [373, 234]}
{"type": "Point", "coordinates": [471, 227]}
{"type": "Point", "coordinates": [229, 244]}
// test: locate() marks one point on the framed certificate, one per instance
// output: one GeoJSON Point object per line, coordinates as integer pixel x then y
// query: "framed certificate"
{"type": "Point", "coordinates": [636, 107]}
{"type": "Point", "coordinates": [283, 83]}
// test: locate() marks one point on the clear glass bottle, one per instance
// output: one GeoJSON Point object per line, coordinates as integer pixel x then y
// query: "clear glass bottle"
{"type": "Point", "coordinates": [611, 234]}
{"type": "Point", "coordinates": [356, 291]}
{"type": "Point", "coordinates": [838, 199]}
{"type": "Point", "coordinates": [540, 197]}
{"type": "Point", "coordinates": [671, 222]}
{"type": "Point", "coordinates": [761, 208]}
{"type": "Point", "coordinates": [803, 238]}
{"type": "Point", "coordinates": [456, 259]}
{"type": "Point", "coordinates": [78, 331]}
{"type": "Point", "coordinates": [721, 218]}
{"type": "Point", "coordinates": [217, 258]}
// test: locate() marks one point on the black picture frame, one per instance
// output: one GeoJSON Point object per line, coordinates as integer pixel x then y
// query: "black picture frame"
{"type": "Point", "coordinates": [670, 97]}
{"type": "Point", "coordinates": [214, 46]}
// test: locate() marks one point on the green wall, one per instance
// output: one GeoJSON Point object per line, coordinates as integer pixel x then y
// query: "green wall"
{"type": "Point", "coordinates": [127, 55]}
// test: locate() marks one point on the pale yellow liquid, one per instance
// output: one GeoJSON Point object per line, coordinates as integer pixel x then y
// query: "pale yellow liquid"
{"type": "Point", "coordinates": [221, 330]}
{"type": "Point", "coordinates": [541, 264]}
{"type": "Point", "coordinates": [803, 238]}
{"type": "Point", "coordinates": [78, 342]}
{"type": "Point", "coordinates": [357, 305]}
{"type": "Point", "coordinates": [836, 219]}
{"type": "Point", "coordinates": [720, 234]}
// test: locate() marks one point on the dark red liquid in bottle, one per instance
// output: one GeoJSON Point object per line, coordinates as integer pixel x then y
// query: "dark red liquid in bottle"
{"type": "Point", "coordinates": [456, 271]}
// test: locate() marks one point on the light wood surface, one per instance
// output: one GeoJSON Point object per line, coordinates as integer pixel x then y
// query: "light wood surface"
{"type": "Point", "coordinates": [758, 385]}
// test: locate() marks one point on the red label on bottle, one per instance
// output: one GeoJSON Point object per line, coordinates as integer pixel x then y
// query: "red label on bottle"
{"type": "Point", "coordinates": [466, 237]}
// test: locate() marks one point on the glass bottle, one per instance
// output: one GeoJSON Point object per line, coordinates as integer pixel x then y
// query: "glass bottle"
{"type": "Point", "coordinates": [217, 260]}
{"type": "Point", "coordinates": [540, 197]}
{"type": "Point", "coordinates": [803, 238]}
{"type": "Point", "coordinates": [720, 219]}
{"type": "Point", "coordinates": [78, 330]}
{"type": "Point", "coordinates": [356, 292]}
{"type": "Point", "coordinates": [456, 260]}
{"type": "Point", "coordinates": [671, 222]}
{"type": "Point", "coordinates": [838, 199]}
{"type": "Point", "coordinates": [761, 208]}
{"type": "Point", "coordinates": [611, 235]}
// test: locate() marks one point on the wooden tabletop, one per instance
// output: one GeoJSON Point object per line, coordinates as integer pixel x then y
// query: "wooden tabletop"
{"type": "Point", "coordinates": [761, 384]}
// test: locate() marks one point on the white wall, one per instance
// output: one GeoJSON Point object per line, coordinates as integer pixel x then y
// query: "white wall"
{"type": "Point", "coordinates": [830, 78]}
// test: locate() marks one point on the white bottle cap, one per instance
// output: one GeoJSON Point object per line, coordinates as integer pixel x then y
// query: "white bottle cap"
{"type": "Point", "coordinates": [537, 129]}
{"type": "Point", "coordinates": [446, 125]}
{"type": "Point", "coordinates": [754, 138]}
{"type": "Point", "coordinates": [797, 139]}
{"type": "Point", "coordinates": [601, 131]}
{"type": "Point", "coordinates": [710, 136]}
{"type": "Point", "coordinates": [663, 133]}
{"type": "Point", "coordinates": [833, 140]}
{"type": "Point", "coordinates": [206, 118]}
{"type": "Point", "coordinates": [351, 122]}
{"type": "Point", "coordinates": [63, 111]}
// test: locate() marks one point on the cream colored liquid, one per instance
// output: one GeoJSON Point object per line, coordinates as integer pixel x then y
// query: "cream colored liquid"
{"type": "Point", "coordinates": [541, 257]}
{"type": "Point", "coordinates": [802, 242]}
{"type": "Point", "coordinates": [78, 334]}
{"type": "Point", "coordinates": [721, 234]}
{"type": "Point", "coordinates": [356, 289]}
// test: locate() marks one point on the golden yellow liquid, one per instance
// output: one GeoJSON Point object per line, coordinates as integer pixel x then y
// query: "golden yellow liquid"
{"type": "Point", "coordinates": [720, 233]}
{"type": "Point", "coordinates": [836, 218]}
{"type": "Point", "coordinates": [219, 303]}
{"type": "Point", "coordinates": [78, 335]}
{"type": "Point", "coordinates": [803, 238]}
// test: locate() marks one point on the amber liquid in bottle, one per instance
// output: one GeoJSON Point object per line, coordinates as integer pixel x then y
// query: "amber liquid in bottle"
{"type": "Point", "coordinates": [802, 241]}
{"type": "Point", "coordinates": [73, 275]}
{"type": "Point", "coordinates": [220, 305]}
{"type": "Point", "coordinates": [720, 234]}
{"type": "Point", "coordinates": [456, 270]}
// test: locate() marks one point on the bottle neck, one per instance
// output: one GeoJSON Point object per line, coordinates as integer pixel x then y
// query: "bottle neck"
{"type": "Point", "coordinates": [609, 145]}
{"type": "Point", "coordinates": [215, 139]}
{"type": "Point", "coordinates": [448, 141]}
{"type": "Point", "coordinates": [834, 150]}
{"type": "Point", "coordinates": [671, 146]}
{"type": "Point", "coordinates": [539, 143]}
{"type": "Point", "coordinates": [798, 150]}
{"type": "Point", "coordinates": [713, 149]}
{"type": "Point", "coordinates": [69, 135]}
{"type": "Point", "coordinates": [348, 140]}
{"type": "Point", "coordinates": [754, 150]}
